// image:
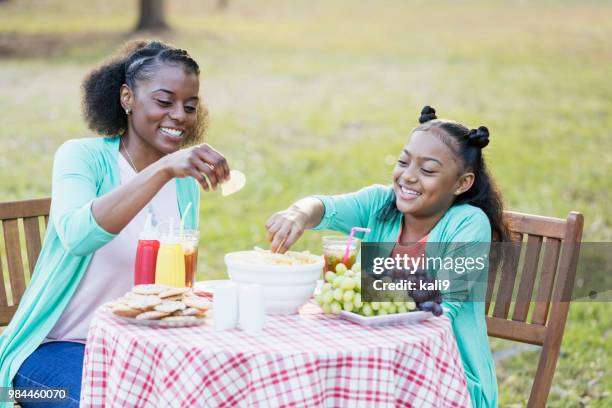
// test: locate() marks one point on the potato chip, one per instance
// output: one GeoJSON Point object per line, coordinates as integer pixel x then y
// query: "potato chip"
{"type": "Point", "coordinates": [235, 183]}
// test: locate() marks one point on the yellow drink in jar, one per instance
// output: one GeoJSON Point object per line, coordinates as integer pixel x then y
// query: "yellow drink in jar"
{"type": "Point", "coordinates": [170, 268]}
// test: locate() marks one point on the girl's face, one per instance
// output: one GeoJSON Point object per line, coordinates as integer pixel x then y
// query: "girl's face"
{"type": "Point", "coordinates": [427, 176]}
{"type": "Point", "coordinates": [163, 108]}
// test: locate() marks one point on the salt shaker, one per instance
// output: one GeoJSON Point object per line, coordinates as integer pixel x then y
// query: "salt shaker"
{"type": "Point", "coordinates": [252, 308]}
{"type": "Point", "coordinates": [225, 306]}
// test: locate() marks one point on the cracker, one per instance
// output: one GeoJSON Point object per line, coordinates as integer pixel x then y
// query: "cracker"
{"type": "Point", "coordinates": [180, 319]}
{"type": "Point", "coordinates": [150, 289]}
{"type": "Point", "coordinates": [125, 311]}
{"type": "Point", "coordinates": [174, 298]}
{"type": "Point", "coordinates": [190, 311]}
{"type": "Point", "coordinates": [173, 292]}
{"type": "Point", "coordinates": [152, 315]}
{"type": "Point", "coordinates": [170, 306]}
{"type": "Point", "coordinates": [144, 303]}
{"type": "Point", "coordinates": [197, 302]}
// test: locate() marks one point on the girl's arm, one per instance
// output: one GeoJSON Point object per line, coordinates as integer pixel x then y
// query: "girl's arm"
{"type": "Point", "coordinates": [286, 227]}
{"type": "Point", "coordinates": [338, 213]}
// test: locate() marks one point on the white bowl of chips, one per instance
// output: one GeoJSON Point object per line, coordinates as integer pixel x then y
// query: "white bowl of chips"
{"type": "Point", "coordinates": [288, 280]}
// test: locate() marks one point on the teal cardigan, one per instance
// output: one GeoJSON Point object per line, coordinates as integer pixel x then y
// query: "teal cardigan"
{"type": "Point", "coordinates": [461, 228]}
{"type": "Point", "coordinates": [83, 170]}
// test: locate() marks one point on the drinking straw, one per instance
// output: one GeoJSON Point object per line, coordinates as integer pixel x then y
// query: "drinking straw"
{"type": "Point", "coordinates": [182, 224]}
{"type": "Point", "coordinates": [350, 241]}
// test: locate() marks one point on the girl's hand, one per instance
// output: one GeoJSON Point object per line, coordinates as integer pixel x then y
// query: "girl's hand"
{"type": "Point", "coordinates": [197, 161]}
{"type": "Point", "coordinates": [285, 228]}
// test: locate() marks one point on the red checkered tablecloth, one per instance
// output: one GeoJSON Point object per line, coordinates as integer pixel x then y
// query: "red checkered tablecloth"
{"type": "Point", "coordinates": [304, 360]}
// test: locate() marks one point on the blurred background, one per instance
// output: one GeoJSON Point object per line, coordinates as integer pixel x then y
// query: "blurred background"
{"type": "Point", "coordinates": [319, 97]}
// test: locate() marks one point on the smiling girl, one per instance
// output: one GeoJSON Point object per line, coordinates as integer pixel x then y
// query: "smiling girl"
{"type": "Point", "coordinates": [441, 194]}
{"type": "Point", "coordinates": [146, 103]}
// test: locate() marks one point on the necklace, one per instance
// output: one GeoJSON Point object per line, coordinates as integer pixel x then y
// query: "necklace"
{"type": "Point", "coordinates": [150, 208]}
{"type": "Point", "coordinates": [128, 156]}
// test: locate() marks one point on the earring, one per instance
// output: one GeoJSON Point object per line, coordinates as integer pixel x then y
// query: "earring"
{"type": "Point", "coordinates": [127, 111]}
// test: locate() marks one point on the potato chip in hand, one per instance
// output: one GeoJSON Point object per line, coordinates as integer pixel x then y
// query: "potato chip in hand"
{"type": "Point", "coordinates": [235, 183]}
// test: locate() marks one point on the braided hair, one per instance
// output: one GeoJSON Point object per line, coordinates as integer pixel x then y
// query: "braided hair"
{"type": "Point", "coordinates": [137, 61]}
{"type": "Point", "coordinates": [466, 144]}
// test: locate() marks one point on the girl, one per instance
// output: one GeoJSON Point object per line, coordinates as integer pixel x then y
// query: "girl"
{"type": "Point", "coordinates": [441, 194]}
{"type": "Point", "coordinates": [146, 102]}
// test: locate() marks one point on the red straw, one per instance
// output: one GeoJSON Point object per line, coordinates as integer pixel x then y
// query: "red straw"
{"type": "Point", "coordinates": [350, 241]}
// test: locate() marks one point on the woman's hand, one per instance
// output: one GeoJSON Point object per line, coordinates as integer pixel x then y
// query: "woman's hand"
{"type": "Point", "coordinates": [197, 161]}
{"type": "Point", "coordinates": [285, 228]}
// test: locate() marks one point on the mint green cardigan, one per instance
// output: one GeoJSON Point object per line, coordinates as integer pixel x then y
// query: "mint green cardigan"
{"type": "Point", "coordinates": [461, 224]}
{"type": "Point", "coordinates": [83, 170]}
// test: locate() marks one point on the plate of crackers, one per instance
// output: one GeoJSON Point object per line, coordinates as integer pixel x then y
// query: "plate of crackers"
{"type": "Point", "coordinates": [161, 306]}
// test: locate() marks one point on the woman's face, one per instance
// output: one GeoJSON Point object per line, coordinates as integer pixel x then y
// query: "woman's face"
{"type": "Point", "coordinates": [164, 108]}
{"type": "Point", "coordinates": [426, 178]}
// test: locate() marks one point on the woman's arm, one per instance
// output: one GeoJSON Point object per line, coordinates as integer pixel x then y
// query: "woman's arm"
{"type": "Point", "coordinates": [115, 210]}
{"type": "Point", "coordinates": [286, 227]}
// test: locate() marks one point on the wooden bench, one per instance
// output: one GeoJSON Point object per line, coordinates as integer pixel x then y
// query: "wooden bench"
{"type": "Point", "coordinates": [541, 322]}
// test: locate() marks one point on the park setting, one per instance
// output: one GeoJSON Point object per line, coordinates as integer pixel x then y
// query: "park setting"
{"type": "Point", "coordinates": [319, 97]}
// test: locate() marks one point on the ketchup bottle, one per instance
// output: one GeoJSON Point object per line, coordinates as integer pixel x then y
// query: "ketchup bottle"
{"type": "Point", "coordinates": [146, 255]}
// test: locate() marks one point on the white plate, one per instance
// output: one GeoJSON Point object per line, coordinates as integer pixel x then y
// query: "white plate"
{"type": "Point", "coordinates": [386, 320]}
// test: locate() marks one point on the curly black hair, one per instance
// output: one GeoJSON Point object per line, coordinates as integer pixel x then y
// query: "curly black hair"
{"type": "Point", "coordinates": [136, 61]}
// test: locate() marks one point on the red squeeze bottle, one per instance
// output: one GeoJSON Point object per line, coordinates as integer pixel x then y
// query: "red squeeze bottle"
{"type": "Point", "coordinates": [146, 255]}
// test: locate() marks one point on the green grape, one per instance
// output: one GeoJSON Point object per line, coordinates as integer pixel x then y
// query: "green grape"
{"type": "Point", "coordinates": [357, 280]}
{"type": "Point", "coordinates": [326, 287]}
{"type": "Point", "coordinates": [366, 310]}
{"type": "Point", "coordinates": [392, 309]}
{"type": "Point", "coordinates": [327, 298]}
{"type": "Point", "coordinates": [410, 305]}
{"type": "Point", "coordinates": [348, 306]}
{"type": "Point", "coordinates": [356, 267]}
{"type": "Point", "coordinates": [398, 302]}
{"type": "Point", "coordinates": [381, 312]}
{"type": "Point", "coordinates": [338, 281]}
{"type": "Point", "coordinates": [340, 269]}
{"type": "Point", "coordinates": [326, 308]}
{"type": "Point", "coordinates": [348, 296]}
{"type": "Point", "coordinates": [319, 299]}
{"type": "Point", "coordinates": [330, 276]}
{"type": "Point", "coordinates": [338, 293]}
{"type": "Point", "coordinates": [349, 274]}
{"type": "Point", "coordinates": [336, 308]}
{"type": "Point", "coordinates": [348, 284]}
{"type": "Point", "coordinates": [385, 305]}
{"type": "Point", "coordinates": [401, 309]}
{"type": "Point", "coordinates": [357, 300]}
{"type": "Point", "coordinates": [375, 306]}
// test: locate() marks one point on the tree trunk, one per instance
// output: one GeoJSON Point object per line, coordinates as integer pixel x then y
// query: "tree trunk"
{"type": "Point", "coordinates": [152, 16]}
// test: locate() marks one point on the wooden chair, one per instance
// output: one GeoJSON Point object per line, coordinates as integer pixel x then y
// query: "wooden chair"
{"type": "Point", "coordinates": [29, 211]}
{"type": "Point", "coordinates": [540, 321]}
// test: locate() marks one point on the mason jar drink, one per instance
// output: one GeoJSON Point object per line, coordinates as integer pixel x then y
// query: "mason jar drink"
{"type": "Point", "coordinates": [334, 248]}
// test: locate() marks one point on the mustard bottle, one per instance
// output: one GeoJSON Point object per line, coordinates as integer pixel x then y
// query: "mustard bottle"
{"type": "Point", "coordinates": [170, 268]}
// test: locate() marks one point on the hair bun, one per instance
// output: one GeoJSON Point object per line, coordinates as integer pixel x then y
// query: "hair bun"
{"type": "Point", "coordinates": [479, 137]}
{"type": "Point", "coordinates": [427, 113]}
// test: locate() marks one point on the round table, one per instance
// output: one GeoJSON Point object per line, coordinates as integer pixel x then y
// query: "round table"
{"type": "Point", "coordinates": [304, 360]}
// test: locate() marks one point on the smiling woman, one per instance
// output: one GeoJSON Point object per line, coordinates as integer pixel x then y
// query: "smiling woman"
{"type": "Point", "coordinates": [145, 103]}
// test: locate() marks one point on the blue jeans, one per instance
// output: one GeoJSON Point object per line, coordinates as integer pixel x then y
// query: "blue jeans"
{"type": "Point", "coordinates": [53, 365]}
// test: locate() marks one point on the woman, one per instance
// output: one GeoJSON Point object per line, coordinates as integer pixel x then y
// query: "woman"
{"type": "Point", "coordinates": [146, 102]}
{"type": "Point", "coordinates": [442, 195]}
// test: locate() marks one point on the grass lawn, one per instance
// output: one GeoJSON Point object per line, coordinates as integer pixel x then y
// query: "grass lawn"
{"type": "Point", "coordinates": [320, 96]}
